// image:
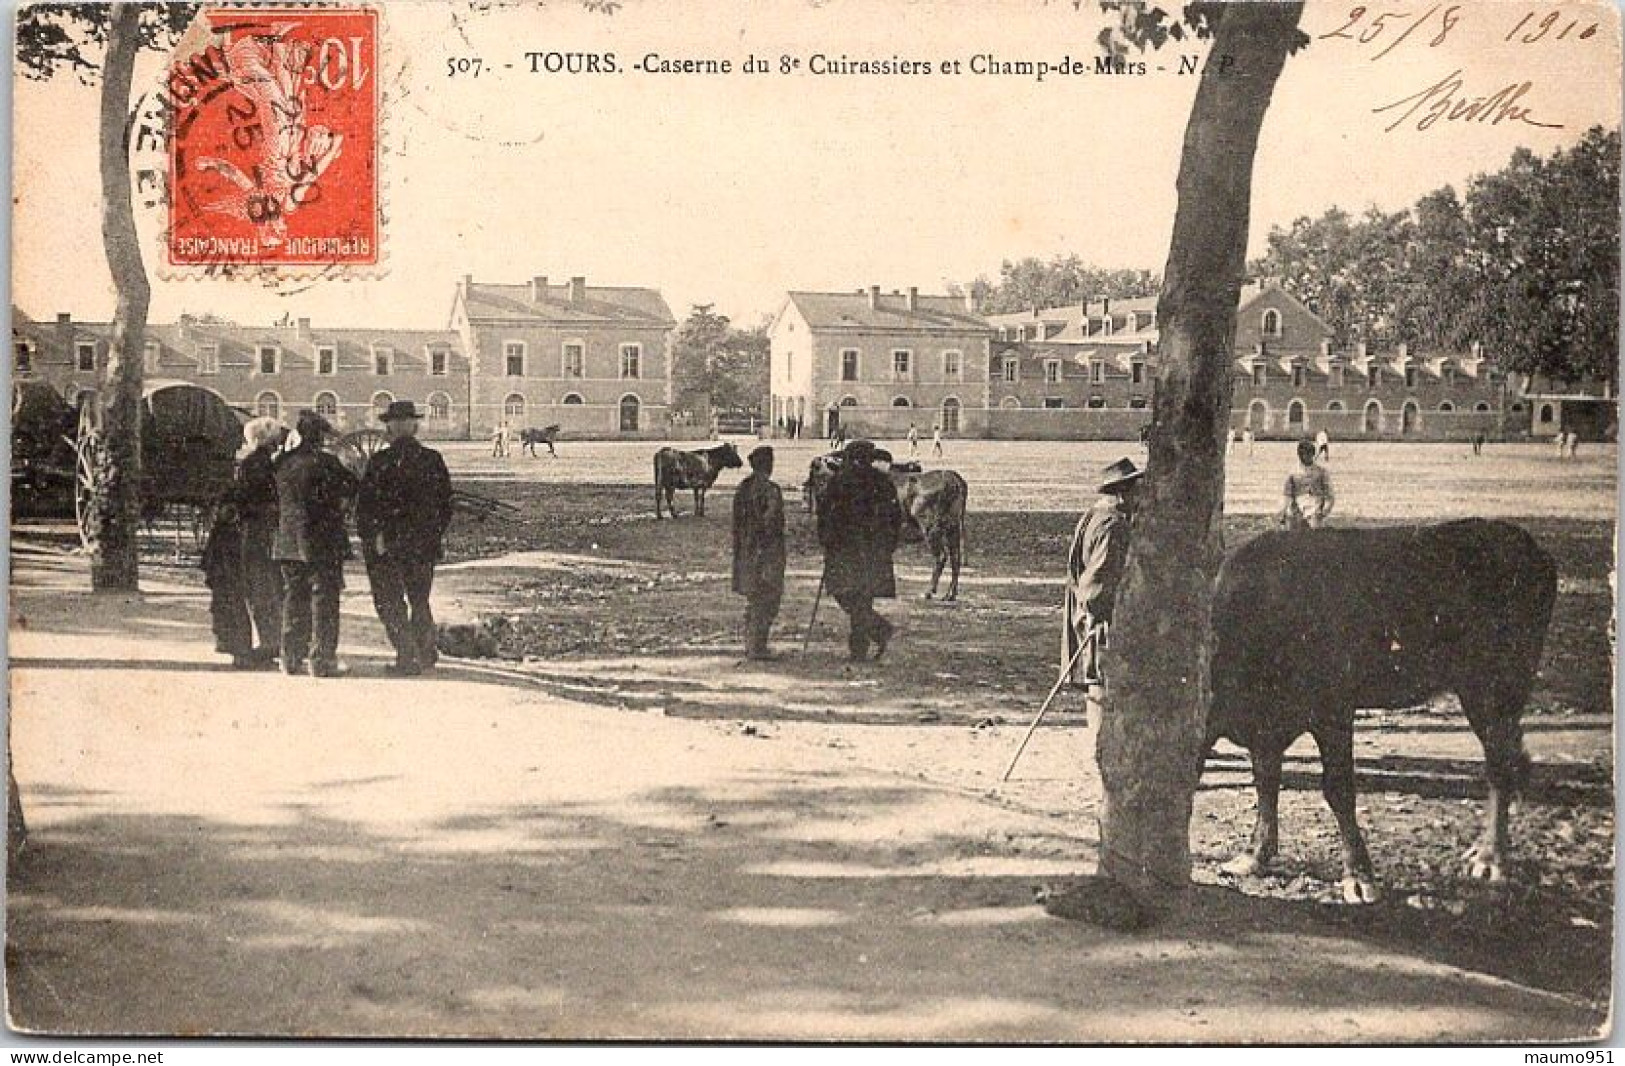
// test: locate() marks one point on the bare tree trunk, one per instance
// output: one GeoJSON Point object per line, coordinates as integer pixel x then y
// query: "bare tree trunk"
{"type": "Point", "coordinates": [1152, 730]}
{"type": "Point", "coordinates": [113, 564]}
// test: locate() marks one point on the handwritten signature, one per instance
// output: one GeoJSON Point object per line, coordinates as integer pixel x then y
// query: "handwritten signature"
{"type": "Point", "coordinates": [1444, 101]}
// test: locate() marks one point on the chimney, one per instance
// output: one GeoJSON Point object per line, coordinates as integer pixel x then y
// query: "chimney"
{"type": "Point", "coordinates": [913, 298]}
{"type": "Point", "coordinates": [304, 329]}
{"type": "Point", "coordinates": [970, 302]}
{"type": "Point", "coordinates": [578, 290]}
{"type": "Point", "coordinates": [468, 283]}
{"type": "Point", "coordinates": [64, 326]}
{"type": "Point", "coordinates": [874, 296]}
{"type": "Point", "coordinates": [538, 288]}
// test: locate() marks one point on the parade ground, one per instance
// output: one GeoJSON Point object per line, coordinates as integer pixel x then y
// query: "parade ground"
{"type": "Point", "coordinates": [599, 823]}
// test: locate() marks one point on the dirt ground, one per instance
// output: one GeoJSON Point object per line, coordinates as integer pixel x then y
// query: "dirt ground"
{"type": "Point", "coordinates": [594, 600]}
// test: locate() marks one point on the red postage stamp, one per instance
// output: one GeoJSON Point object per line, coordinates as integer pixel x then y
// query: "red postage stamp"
{"type": "Point", "coordinates": [274, 144]}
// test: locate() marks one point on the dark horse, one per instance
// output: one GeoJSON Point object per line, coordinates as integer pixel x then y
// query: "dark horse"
{"type": "Point", "coordinates": [695, 470]}
{"type": "Point", "coordinates": [529, 438]}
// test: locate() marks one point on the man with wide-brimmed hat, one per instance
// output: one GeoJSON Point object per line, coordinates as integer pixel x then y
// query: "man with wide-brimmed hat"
{"type": "Point", "coordinates": [859, 522]}
{"type": "Point", "coordinates": [1094, 567]}
{"type": "Point", "coordinates": [311, 545]}
{"type": "Point", "coordinates": [401, 517]}
{"type": "Point", "coordinates": [758, 550]}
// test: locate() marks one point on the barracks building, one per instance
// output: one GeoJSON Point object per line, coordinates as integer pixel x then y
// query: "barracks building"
{"type": "Point", "coordinates": [878, 363]}
{"type": "Point", "coordinates": [593, 360]}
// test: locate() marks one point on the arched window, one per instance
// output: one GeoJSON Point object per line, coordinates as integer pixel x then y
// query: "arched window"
{"type": "Point", "coordinates": [901, 401]}
{"type": "Point", "coordinates": [1010, 403]}
{"type": "Point", "coordinates": [1272, 323]}
{"type": "Point", "coordinates": [950, 415]}
{"type": "Point", "coordinates": [268, 404]}
{"type": "Point", "coordinates": [1294, 414]}
{"type": "Point", "coordinates": [1547, 412]}
{"type": "Point", "coordinates": [1481, 407]}
{"type": "Point", "coordinates": [1335, 405]}
{"type": "Point", "coordinates": [327, 405]}
{"type": "Point", "coordinates": [1258, 415]}
{"type": "Point", "coordinates": [439, 407]}
{"type": "Point", "coordinates": [1410, 417]}
{"type": "Point", "coordinates": [573, 399]}
{"type": "Point", "coordinates": [849, 401]}
{"type": "Point", "coordinates": [381, 400]}
{"type": "Point", "coordinates": [1447, 407]}
{"type": "Point", "coordinates": [1372, 423]}
{"type": "Point", "coordinates": [513, 406]}
{"type": "Point", "coordinates": [629, 413]}
{"type": "Point", "coordinates": [1097, 402]}
{"type": "Point", "coordinates": [1137, 403]}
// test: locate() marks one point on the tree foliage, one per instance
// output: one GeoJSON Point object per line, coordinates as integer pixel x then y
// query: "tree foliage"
{"type": "Point", "coordinates": [1526, 263]}
{"type": "Point", "coordinates": [1031, 282]}
{"type": "Point", "coordinates": [717, 367]}
{"type": "Point", "coordinates": [58, 37]}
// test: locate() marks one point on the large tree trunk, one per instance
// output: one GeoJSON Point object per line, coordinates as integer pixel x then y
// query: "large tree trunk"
{"type": "Point", "coordinates": [1152, 730]}
{"type": "Point", "coordinates": [113, 564]}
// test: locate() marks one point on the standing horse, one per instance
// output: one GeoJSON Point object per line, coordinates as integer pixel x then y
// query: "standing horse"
{"type": "Point", "coordinates": [529, 438]}
{"type": "Point", "coordinates": [695, 470]}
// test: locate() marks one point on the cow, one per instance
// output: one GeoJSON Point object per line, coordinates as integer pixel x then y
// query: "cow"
{"type": "Point", "coordinates": [529, 438]}
{"type": "Point", "coordinates": [1310, 625]}
{"type": "Point", "coordinates": [933, 500]}
{"type": "Point", "coordinates": [695, 470]}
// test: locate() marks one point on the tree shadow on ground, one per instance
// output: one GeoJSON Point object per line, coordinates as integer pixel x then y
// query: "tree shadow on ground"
{"type": "Point", "coordinates": [774, 905]}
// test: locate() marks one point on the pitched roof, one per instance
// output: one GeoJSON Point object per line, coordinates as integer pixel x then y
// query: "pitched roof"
{"type": "Point", "coordinates": [852, 310]}
{"type": "Point", "coordinates": [602, 305]}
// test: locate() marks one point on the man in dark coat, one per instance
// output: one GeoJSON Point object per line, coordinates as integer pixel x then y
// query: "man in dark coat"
{"type": "Point", "coordinates": [859, 522]}
{"type": "Point", "coordinates": [311, 546]}
{"type": "Point", "coordinates": [401, 517]}
{"type": "Point", "coordinates": [758, 550]}
{"type": "Point", "coordinates": [1094, 568]}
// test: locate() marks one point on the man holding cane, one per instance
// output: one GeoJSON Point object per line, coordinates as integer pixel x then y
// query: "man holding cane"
{"type": "Point", "coordinates": [1094, 568]}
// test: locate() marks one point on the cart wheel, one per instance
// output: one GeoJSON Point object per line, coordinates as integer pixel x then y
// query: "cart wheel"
{"type": "Point", "coordinates": [356, 449]}
{"type": "Point", "coordinates": [87, 469]}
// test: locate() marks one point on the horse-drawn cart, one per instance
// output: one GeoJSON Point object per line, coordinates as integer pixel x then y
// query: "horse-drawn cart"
{"type": "Point", "coordinates": [189, 439]}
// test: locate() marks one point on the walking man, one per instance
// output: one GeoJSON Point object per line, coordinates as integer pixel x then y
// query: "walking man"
{"type": "Point", "coordinates": [1094, 567]}
{"type": "Point", "coordinates": [401, 517]}
{"type": "Point", "coordinates": [936, 441]}
{"type": "Point", "coordinates": [758, 551]}
{"type": "Point", "coordinates": [1323, 447]}
{"type": "Point", "coordinates": [913, 440]}
{"type": "Point", "coordinates": [311, 545]}
{"type": "Point", "coordinates": [859, 521]}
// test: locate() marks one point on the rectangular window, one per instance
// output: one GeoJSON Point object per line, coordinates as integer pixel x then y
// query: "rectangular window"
{"type": "Point", "coordinates": [1011, 370]}
{"type": "Point", "coordinates": [1052, 371]}
{"type": "Point", "coordinates": [1053, 403]}
{"type": "Point", "coordinates": [849, 364]}
{"type": "Point", "coordinates": [1449, 375]}
{"type": "Point", "coordinates": [1097, 372]}
{"type": "Point", "coordinates": [513, 358]}
{"type": "Point", "coordinates": [631, 360]}
{"type": "Point", "coordinates": [85, 356]}
{"type": "Point", "coordinates": [902, 364]}
{"type": "Point", "coordinates": [208, 359]}
{"type": "Point", "coordinates": [327, 359]}
{"type": "Point", "coordinates": [1258, 373]}
{"type": "Point", "coordinates": [575, 360]}
{"type": "Point", "coordinates": [439, 362]}
{"type": "Point", "coordinates": [1337, 377]}
{"type": "Point", "coordinates": [1373, 377]}
{"type": "Point", "coordinates": [267, 362]}
{"type": "Point", "coordinates": [382, 358]}
{"type": "Point", "coordinates": [1299, 376]}
{"type": "Point", "coordinates": [1410, 377]}
{"type": "Point", "coordinates": [24, 358]}
{"type": "Point", "coordinates": [150, 353]}
{"type": "Point", "coordinates": [1137, 373]}
{"type": "Point", "coordinates": [951, 366]}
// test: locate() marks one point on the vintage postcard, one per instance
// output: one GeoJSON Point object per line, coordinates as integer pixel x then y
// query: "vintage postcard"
{"type": "Point", "coordinates": [968, 521]}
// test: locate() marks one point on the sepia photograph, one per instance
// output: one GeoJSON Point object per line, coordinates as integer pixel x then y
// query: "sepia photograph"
{"type": "Point", "coordinates": [972, 522]}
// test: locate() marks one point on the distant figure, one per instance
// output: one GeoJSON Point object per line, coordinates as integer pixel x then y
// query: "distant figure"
{"type": "Point", "coordinates": [1247, 439]}
{"type": "Point", "coordinates": [1574, 444]}
{"type": "Point", "coordinates": [936, 441]}
{"type": "Point", "coordinates": [1094, 567]}
{"type": "Point", "coordinates": [913, 440]}
{"type": "Point", "coordinates": [1562, 444]}
{"type": "Point", "coordinates": [758, 551]}
{"type": "Point", "coordinates": [401, 518]}
{"type": "Point", "coordinates": [1309, 479]}
{"type": "Point", "coordinates": [1323, 447]}
{"type": "Point", "coordinates": [1478, 443]}
{"type": "Point", "coordinates": [859, 523]}
{"type": "Point", "coordinates": [499, 440]}
{"type": "Point", "coordinates": [313, 491]}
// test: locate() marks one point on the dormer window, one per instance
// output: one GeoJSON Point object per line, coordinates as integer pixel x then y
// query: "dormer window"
{"type": "Point", "coordinates": [23, 357]}
{"type": "Point", "coordinates": [1299, 377]}
{"type": "Point", "coordinates": [1373, 376]}
{"type": "Point", "coordinates": [85, 356]}
{"type": "Point", "coordinates": [1410, 377]}
{"type": "Point", "coordinates": [1260, 374]}
{"type": "Point", "coordinates": [383, 360]}
{"type": "Point", "coordinates": [1337, 375]}
{"type": "Point", "coordinates": [268, 359]}
{"type": "Point", "coordinates": [1271, 323]}
{"type": "Point", "coordinates": [439, 362]}
{"type": "Point", "coordinates": [1097, 372]}
{"type": "Point", "coordinates": [1449, 375]}
{"type": "Point", "coordinates": [208, 358]}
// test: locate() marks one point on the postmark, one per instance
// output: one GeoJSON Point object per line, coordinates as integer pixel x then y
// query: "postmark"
{"type": "Point", "coordinates": [274, 149]}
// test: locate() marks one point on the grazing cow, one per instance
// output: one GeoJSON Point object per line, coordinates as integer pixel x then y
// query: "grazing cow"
{"type": "Point", "coordinates": [695, 470]}
{"type": "Point", "coordinates": [934, 500]}
{"type": "Point", "coordinates": [1310, 625]}
{"type": "Point", "coordinates": [529, 438]}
